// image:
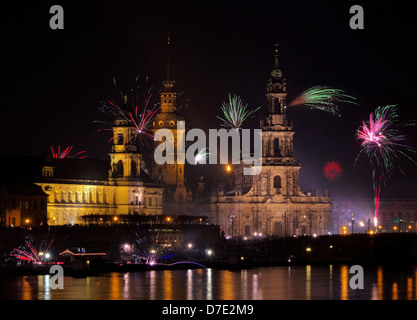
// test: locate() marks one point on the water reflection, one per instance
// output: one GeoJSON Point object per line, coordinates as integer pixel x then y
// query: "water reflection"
{"type": "Point", "coordinates": [379, 283]}
{"type": "Point", "coordinates": [410, 288]}
{"type": "Point", "coordinates": [209, 285]}
{"type": "Point", "coordinates": [308, 282]}
{"type": "Point", "coordinates": [167, 285]}
{"type": "Point", "coordinates": [227, 279]}
{"type": "Point", "coordinates": [189, 284]}
{"type": "Point", "coordinates": [304, 283]}
{"type": "Point", "coordinates": [344, 282]}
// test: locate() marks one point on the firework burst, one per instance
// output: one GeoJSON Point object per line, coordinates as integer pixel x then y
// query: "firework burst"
{"type": "Point", "coordinates": [28, 251]}
{"type": "Point", "coordinates": [332, 170]}
{"type": "Point", "coordinates": [235, 113]}
{"type": "Point", "coordinates": [323, 98]}
{"type": "Point", "coordinates": [138, 108]}
{"type": "Point", "coordinates": [201, 157]}
{"type": "Point", "coordinates": [66, 153]}
{"type": "Point", "coordinates": [146, 250]}
{"type": "Point", "coordinates": [384, 145]}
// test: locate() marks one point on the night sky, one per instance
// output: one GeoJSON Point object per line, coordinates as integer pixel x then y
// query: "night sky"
{"type": "Point", "coordinates": [52, 81]}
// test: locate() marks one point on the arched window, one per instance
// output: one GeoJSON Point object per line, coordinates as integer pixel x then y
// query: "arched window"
{"type": "Point", "coordinates": [277, 182]}
{"type": "Point", "coordinates": [277, 106]}
{"type": "Point", "coordinates": [277, 152]}
{"type": "Point", "coordinates": [247, 230]}
{"type": "Point", "coordinates": [119, 169]}
{"type": "Point", "coordinates": [134, 169]}
{"type": "Point", "coordinates": [120, 138]}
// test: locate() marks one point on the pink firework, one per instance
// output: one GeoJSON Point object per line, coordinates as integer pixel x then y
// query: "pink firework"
{"type": "Point", "coordinates": [136, 110]}
{"type": "Point", "coordinates": [28, 252]}
{"type": "Point", "coordinates": [332, 170]}
{"type": "Point", "coordinates": [383, 144]}
{"type": "Point", "coordinates": [66, 153]}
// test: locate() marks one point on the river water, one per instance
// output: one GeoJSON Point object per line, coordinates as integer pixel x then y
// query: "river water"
{"type": "Point", "coordinates": [329, 282]}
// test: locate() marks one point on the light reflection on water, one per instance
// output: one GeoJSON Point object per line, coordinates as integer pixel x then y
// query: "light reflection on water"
{"type": "Point", "coordinates": [272, 283]}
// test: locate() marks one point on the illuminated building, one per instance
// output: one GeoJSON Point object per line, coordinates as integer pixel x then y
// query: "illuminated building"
{"type": "Point", "coordinates": [170, 175]}
{"type": "Point", "coordinates": [22, 205]}
{"type": "Point", "coordinates": [78, 188]}
{"type": "Point", "coordinates": [270, 203]}
{"type": "Point", "coordinates": [395, 214]}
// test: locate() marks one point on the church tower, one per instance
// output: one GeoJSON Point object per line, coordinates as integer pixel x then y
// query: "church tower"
{"type": "Point", "coordinates": [133, 191]}
{"type": "Point", "coordinates": [271, 203]}
{"type": "Point", "coordinates": [280, 171]}
{"type": "Point", "coordinates": [125, 156]}
{"type": "Point", "coordinates": [124, 174]}
{"type": "Point", "coordinates": [171, 175]}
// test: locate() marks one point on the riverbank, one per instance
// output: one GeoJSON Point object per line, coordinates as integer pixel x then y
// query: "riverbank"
{"type": "Point", "coordinates": [233, 254]}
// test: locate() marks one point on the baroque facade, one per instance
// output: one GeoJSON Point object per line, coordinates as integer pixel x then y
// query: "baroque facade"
{"type": "Point", "coordinates": [78, 189]}
{"type": "Point", "coordinates": [270, 203]}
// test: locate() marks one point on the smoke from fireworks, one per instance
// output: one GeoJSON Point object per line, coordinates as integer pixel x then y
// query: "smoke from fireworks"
{"type": "Point", "coordinates": [235, 112]}
{"type": "Point", "coordinates": [384, 145]}
{"type": "Point", "coordinates": [66, 153]}
{"type": "Point", "coordinates": [323, 98]}
{"type": "Point", "coordinates": [332, 170]}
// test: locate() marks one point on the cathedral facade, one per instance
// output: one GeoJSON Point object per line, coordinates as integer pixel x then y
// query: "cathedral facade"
{"type": "Point", "coordinates": [270, 203]}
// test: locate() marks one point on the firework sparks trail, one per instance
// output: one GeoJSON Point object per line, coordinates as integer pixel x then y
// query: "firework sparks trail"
{"type": "Point", "coordinates": [29, 253]}
{"type": "Point", "coordinates": [201, 157]}
{"type": "Point", "coordinates": [138, 112]}
{"type": "Point", "coordinates": [145, 119]}
{"type": "Point", "coordinates": [332, 170]}
{"type": "Point", "coordinates": [323, 98]}
{"type": "Point", "coordinates": [235, 113]}
{"type": "Point", "coordinates": [66, 153]}
{"type": "Point", "coordinates": [384, 145]}
{"type": "Point", "coordinates": [146, 250]}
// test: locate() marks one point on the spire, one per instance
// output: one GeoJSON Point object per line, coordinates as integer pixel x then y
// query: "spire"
{"type": "Point", "coordinates": [276, 71]}
{"type": "Point", "coordinates": [168, 71]}
{"type": "Point", "coordinates": [276, 82]}
{"type": "Point", "coordinates": [276, 92]}
{"type": "Point", "coordinates": [168, 83]}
